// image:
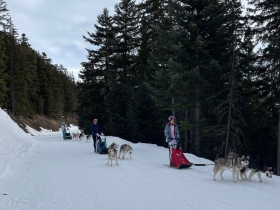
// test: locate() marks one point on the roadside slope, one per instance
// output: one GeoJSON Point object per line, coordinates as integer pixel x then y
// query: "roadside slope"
{"type": "Point", "coordinates": [13, 141]}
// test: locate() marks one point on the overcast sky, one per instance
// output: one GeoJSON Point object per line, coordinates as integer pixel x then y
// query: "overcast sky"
{"type": "Point", "coordinates": [56, 26]}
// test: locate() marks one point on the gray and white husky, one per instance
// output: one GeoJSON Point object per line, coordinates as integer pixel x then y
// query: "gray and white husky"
{"type": "Point", "coordinates": [125, 148]}
{"type": "Point", "coordinates": [113, 153]}
{"type": "Point", "coordinates": [75, 136]}
{"type": "Point", "coordinates": [236, 164]}
{"type": "Point", "coordinates": [238, 172]}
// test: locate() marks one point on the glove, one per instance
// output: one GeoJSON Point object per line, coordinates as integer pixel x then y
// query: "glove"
{"type": "Point", "coordinates": [102, 134]}
{"type": "Point", "coordinates": [97, 135]}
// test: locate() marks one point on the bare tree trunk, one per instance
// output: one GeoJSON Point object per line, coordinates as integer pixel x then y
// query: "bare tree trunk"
{"type": "Point", "coordinates": [187, 131]}
{"type": "Point", "coordinates": [173, 110]}
{"type": "Point", "coordinates": [230, 109]}
{"type": "Point", "coordinates": [12, 80]}
{"type": "Point", "coordinates": [229, 120]}
{"type": "Point", "coordinates": [278, 156]}
{"type": "Point", "coordinates": [232, 80]}
{"type": "Point", "coordinates": [12, 88]}
{"type": "Point", "coordinates": [197, 118]}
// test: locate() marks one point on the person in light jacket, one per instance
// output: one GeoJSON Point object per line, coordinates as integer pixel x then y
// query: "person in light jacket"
{"type": "Point", "coordinates": [171, 133]}
{"type": "Point", "coordinates": [63, 129]}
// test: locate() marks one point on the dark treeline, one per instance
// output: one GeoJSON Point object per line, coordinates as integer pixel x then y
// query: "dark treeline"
{"type": "Point", "coordinates": [209, 63]}
{"type": "Point", "coordinates": [29, 83]}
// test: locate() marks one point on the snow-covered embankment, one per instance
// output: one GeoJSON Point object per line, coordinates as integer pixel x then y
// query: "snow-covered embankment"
{"type": "Point", "coordinates": [13, 141]}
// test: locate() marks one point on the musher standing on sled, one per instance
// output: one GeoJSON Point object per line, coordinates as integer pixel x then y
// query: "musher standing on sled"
{"type": "Point", "coordinates": [96, 131]}
{"type": "Point", "coordinates": [63, 129]}
{"type": "Point", "coordinates": [172, 135]}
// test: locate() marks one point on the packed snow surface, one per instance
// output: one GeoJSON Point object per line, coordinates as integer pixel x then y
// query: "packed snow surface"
{"type": "Point", "coordinates": [66, 175]}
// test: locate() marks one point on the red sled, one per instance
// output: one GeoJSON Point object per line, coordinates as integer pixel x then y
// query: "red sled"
{"type": "Point", "coordinates": [179, 160]}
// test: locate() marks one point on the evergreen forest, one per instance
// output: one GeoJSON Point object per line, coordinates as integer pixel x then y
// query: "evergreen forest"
{"type": "Point", "coordinates": [213, 64]}
{"type": "Point", "coordinates": [30, 84]}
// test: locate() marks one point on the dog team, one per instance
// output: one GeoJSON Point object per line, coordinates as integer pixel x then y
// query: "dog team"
{"type": "Point", "coordinates": [238, 165]}
{"type": "Point", "coordinates": [96, 133]}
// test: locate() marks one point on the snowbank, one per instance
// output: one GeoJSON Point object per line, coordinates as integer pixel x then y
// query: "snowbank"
{"type": "Point", "coordinates": [45, 132]}
{"type": "Point", "coordinates": [13, 141]}
{"type": "Point", "coordinates": [37, 133]}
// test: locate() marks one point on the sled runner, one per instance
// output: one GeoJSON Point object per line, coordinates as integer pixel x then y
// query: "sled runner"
{"type": "Point", "coordinates": [192, 164]}
{"type": "Point", "coordinates": [101, 145]}
{"type": "Point", "coordinates": [179, 167]}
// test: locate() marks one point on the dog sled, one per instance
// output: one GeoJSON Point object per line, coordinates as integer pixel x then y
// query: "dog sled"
{"type": "Point", "coordinates": [179, 160]}
{"type": "Point", "coordinates": [101, 145]}
{"type": "Point", "coordinates": [68, 134]}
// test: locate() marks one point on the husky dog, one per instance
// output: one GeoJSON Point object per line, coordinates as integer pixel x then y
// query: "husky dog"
{"type": "Point", "coordinates": [75, 136]}
{"type": "Point", "coordinates": [125, 148]}
{"type": "Point", "coordinates": [113, 153]}
{"type": "Point", "coordinates": [238, 172]}
{"type": "Point", "coordinates": [236, 164]}
{"type": "Point", "coordinates": [258, 165]}
{"type": "Point", "coordinates": [81, 136]}
{"type": "Point", "coordinates": [88, 138]}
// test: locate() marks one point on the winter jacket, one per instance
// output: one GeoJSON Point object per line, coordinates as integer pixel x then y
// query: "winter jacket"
{"type": "Point", "coordinates": [95, 129]}
{"type": "Point", "coordinates": [167, 132]}
{"type": "Point", "coordinates": [64, 127]}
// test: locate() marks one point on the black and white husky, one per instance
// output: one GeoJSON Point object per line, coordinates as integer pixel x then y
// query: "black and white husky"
{"type": "Point", "coordinates": [113, 153]}
{"type": "Point", "coordinates": [81, 137]}
{"type": "Point", "coordinates": [125, 148]}
{"type": "Point", "coordinates": [88, 138]}
{"type": "Point", "coordinates": [258, 165]}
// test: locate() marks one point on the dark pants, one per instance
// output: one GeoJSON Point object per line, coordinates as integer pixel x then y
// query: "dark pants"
{"type": "Point", "coordinates": [94, 141]}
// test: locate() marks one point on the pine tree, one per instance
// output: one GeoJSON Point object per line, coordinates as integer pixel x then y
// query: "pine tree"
{"type": "Point", "coordinates": [265, 17]}
{"type": "Point", "coordinates": [126, 26]}
{"type": "Point", "coordinates": [152, 14]}
{"type": "Point", "coordinates": [3, 74]}
{"type": "Point", "coordinates": [126, 29]}
{"type": "Point", "coordinates": [13, 64]}
{"type": "Point", "coordinates": [4, 16]}
{"type": "Point", "coordinates": [98, 73]}
{"type": "Point", "coordinates": [144, 121]}
{"type": "Point", "coordinates": [26, 79]}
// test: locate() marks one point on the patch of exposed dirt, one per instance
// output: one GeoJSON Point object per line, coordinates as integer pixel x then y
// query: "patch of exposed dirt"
{"type": "Point", "coordinates": [42, 121]}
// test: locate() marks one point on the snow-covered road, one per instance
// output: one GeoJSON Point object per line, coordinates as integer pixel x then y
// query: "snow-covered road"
{"type": "Point", "coordinates": [65, 175]}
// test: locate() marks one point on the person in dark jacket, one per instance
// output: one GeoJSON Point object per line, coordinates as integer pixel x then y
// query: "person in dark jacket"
{"type": "Point", "coordinates": [96, 132]}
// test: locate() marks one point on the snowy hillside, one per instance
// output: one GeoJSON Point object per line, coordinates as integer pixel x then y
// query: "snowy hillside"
{"type": "Point", "coordinates": [13, 141]}
{"type": "Point", "coordinates": [66, 175]}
